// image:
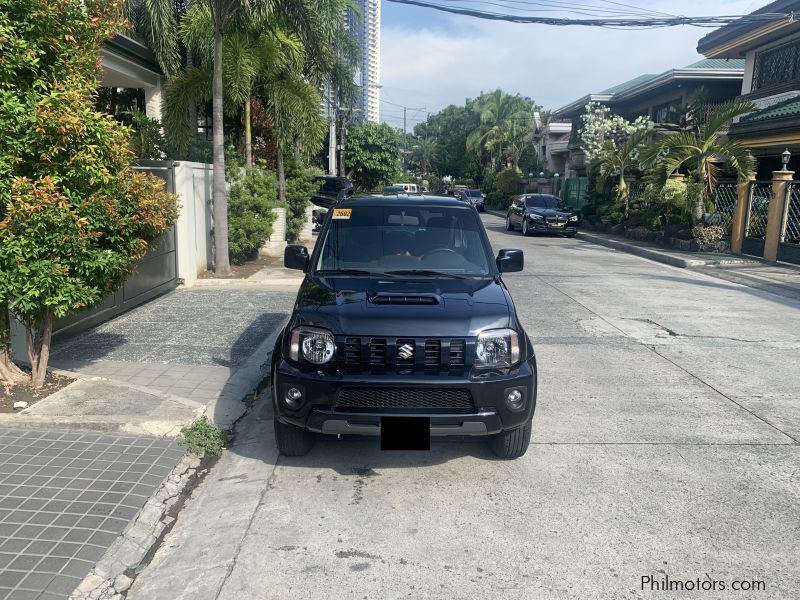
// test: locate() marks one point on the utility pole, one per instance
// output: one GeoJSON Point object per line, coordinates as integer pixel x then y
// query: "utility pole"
{"type": "Point", "coordinates": [332, 116]}
{"type": "Point", "coordinates": [405, 136]}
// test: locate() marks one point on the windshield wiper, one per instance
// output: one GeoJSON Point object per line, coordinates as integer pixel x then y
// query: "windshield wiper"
{"type": "Point", "coordinates": [344, 272]}
{"type": "Point", "coordinates": [425, 273]}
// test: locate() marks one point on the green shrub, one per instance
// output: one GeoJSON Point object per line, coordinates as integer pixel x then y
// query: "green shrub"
{"type": "Point", "coordinates": [498, 200]}
{"type": "Point", "coordinates": [507, 181]}
{"type": "Point", "coordinates": [251, 199]}
{"type": "Point", "coordinates": [300, 185]}
{"type": "Point", "coordinates": [147, 141]}
{"type": "Point", "coordinates": [203, 437]}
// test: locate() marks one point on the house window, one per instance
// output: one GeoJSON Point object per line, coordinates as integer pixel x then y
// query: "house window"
{"type": "Point", "coordinates": [777, 66]}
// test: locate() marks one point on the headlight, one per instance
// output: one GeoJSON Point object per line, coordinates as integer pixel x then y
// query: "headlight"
{"type": "Point", "coordinates": [497, 348]}
{"type": "Point", "coordinates": [536, 217]}
{"type": "Point", "coordinates": [314, 344]}
{"type": "Point", "coordinates": [573, 218]}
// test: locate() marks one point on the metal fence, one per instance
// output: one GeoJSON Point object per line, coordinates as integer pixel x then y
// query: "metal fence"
{"type": "Point", "coordinates": [791, 228]}
{"type": "Point", "coordinates": [724, 200]}
{"type": "Point", "coordinates": [637, 192]}
{"type": "Point", "coordinates": [760, 196]}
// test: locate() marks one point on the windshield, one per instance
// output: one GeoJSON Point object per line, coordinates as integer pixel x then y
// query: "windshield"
{"type": "Point", "coordinates": [542, 202]}
{"type": "Point", "coordinates": [378, 239]}
{"type": "Point", "coordinates": [472, 192]}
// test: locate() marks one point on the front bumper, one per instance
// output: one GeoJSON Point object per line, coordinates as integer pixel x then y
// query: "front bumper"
{"type": "Point", "coordinates": [320, 413]}
{"type": "Point", "coordinates": [540, 226]}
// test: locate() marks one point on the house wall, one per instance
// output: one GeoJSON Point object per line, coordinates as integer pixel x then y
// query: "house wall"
{"type": "Point", "coordinates": [194, 227]}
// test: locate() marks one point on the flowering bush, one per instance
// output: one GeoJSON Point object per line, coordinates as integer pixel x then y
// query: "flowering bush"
{"type": "Point", "coordinates": [603, 132]}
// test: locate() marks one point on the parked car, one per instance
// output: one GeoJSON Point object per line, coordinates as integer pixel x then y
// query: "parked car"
{"type": "Point", "coordinates": [534, 213]}
{"type": "Point", "coordinates": [394, 189]}
{"type": "Point", "coordinates": [332, 190]}
{"type": "Point", "coordinates": [474, 197]}
{"type": "Point", "coordinates": [403, 313]}
{"type": "Point", "coordinates": [409, 188]}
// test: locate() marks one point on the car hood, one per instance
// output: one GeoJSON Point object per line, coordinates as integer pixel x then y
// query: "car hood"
{"type": "Point", "coordinates": [351, 306]}
{"type": "Point", "coordinates": [548, 212]}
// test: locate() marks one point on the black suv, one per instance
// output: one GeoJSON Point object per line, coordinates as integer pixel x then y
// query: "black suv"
{"type": "Point", "coordinates": [403, 312]}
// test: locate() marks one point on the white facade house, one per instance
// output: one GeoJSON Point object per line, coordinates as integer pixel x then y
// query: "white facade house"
{"type": "Point", "coordinates": [367, 29]}
{"type": "Point", "coordinates": [551, 137]}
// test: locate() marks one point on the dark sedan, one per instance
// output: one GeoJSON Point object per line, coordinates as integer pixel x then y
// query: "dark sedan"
{"type": "Point", "coordinates": [535, 213]}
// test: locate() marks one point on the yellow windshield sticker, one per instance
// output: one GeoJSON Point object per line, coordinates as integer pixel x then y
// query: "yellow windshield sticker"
{"type": "Point", "coordinates": [342, 213]}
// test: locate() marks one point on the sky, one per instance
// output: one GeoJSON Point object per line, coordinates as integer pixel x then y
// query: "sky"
{"type": "Point", "coordinates": [430, 59]}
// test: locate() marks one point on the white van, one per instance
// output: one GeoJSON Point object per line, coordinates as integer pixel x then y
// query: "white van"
{"type": "Point", "coordinates": [408, 188]}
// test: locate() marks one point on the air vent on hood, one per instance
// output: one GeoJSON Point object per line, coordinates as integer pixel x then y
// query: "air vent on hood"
{"type": "Point", "coordinates": [404, 300]}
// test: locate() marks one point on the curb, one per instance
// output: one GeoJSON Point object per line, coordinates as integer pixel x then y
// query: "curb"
{"type": "Point", "coordinates": [114, 572]}
{"type": "Point", "coordinates": [657, 255]}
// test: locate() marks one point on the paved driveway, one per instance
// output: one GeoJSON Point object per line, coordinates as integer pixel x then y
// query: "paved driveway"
{"type": "Point", "coordinates": [665, 446]}
{"type": "Point", "coordinates": [64, 497]}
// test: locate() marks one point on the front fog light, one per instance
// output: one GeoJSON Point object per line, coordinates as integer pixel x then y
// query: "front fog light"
{"type": "Point", "coordinates": [515, 399]}
{"type": "Point", "coordinates": [294, 397]}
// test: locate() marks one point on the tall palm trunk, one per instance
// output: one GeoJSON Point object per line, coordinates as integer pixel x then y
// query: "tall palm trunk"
{"type": "Point", "coordinates": [222, 264]}
{"type": "Point", "coordinates": [9, 372]}
{"type": "Point", "coordinates": [39, 348]}
{"type": "Point", "coordinates": [281, 175]}
{"type": "Point", "coordinates": [248, 134]}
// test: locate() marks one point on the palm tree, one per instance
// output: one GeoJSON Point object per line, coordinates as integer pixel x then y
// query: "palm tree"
{"type": "Point", "coordinates": [702, 152]}
{"type": "Point", "coordinates": [426, 153]}
{"type": "Point", "coordinates": [496, 110]}
{"type": "Point", "coordinates": [619, 161]}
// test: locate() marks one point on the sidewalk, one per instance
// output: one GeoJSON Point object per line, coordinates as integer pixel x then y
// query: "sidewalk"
{"type": "Point", "coordinates": [90, 475]}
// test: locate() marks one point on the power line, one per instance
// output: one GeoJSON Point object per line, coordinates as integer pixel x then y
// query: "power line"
{"type": "Point", "coordinates": [635, 22]}
{"type": "Point", "coordinates": [545, 6]}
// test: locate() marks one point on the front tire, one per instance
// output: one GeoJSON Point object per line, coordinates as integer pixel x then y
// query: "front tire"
{"type": "Point", "coordinates": [511, 444]}
{"type": "Point", "coordinates": [525, 231]}
{"type": "Point", "coordinates": [292, 440]}
{"type": "Point", "coordinates": [509, 225]}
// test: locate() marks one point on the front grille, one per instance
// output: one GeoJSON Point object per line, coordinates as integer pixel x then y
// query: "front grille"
{"type": "Point", "coordinates": [352, 351]}
{"type": "Point", "coordinates": [403, 354]}
{"type": "Point", "coordinates": [457, 352]}
{"type": "Point", "coordinates": [453, 400]}
{"type": "Point", "coordinates": [377, 352]}
{"type": "Point", "coordinates": [556, 219]}
{"type": "Point", "coordinates": [433, 353]}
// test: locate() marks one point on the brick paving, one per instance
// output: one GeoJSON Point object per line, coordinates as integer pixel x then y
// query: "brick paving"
{"type": "Point", "coordinates": [65, 497]}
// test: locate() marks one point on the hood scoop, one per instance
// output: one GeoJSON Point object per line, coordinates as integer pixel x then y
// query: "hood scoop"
{"type": "Point", "coordinates": [403, 299]}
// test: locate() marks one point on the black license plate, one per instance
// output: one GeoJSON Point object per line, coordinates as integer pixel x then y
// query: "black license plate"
{"type": "Point", "coordinates": [405, 433]}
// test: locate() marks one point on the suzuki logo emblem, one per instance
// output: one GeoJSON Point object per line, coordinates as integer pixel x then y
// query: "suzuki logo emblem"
{"type": "Point", "coordinates": [406, 351]}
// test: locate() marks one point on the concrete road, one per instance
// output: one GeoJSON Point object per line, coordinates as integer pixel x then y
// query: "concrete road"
{"type": "Point", "coordinates": [665, 446]}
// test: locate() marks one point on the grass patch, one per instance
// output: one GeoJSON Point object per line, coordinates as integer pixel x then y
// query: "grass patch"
{"type": "Point", "coordinates": [203, 437]}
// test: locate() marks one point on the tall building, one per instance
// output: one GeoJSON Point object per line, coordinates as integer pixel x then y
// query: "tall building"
{"type": "Point", "coordinates": [367, 29]}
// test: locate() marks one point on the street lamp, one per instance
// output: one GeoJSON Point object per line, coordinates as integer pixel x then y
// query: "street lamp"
{"type": "Point", "coordinates": [541, 174]}
{"type": "Point", "coordinates": [785, 158]}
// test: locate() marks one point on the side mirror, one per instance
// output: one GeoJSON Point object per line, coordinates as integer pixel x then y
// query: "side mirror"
{"type": "Point", "coordinates": [510, 260]}
{"type": "Point", "coordinates": [296, 257]}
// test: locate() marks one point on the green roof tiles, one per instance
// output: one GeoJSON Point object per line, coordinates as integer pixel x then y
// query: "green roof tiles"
{"type": "Point", "coordinates": [787, 108]}
{"type": "Point", "coordinates": [718, 64]}
{"type": "Point", "coordinates": [621, 87]}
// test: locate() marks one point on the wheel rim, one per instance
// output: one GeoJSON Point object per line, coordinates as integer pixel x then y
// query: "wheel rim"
{"type": "Point", "coordinates": [525, 227]}
{"type": "Point", "coordinates": [508, 222]}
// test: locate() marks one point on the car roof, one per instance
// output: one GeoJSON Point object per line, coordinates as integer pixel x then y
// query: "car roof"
{"type": "Point", "coordinates": [416, 200]}
{"type": "Point", "coordinates": [541, 196]}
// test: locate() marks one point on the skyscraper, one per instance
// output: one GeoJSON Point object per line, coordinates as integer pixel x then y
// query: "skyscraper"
{"type": "Point", "coordinates": [367, 30]}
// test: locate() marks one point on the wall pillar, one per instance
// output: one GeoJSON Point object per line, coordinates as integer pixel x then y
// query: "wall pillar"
{"type": "Point", "coordinates": [780, 181]}
{"type": "Point", "coordinates": [740, 214]}
{"type": "Point", "coordinates": [152, 100]}
{"type": "Point", "coordinates": [679, 177]}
